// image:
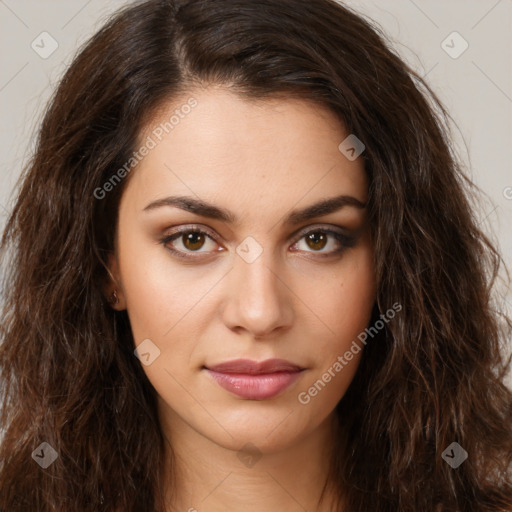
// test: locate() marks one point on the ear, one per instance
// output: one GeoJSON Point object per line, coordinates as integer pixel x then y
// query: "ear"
{"type": "Point", "coordinates": [113, 287]}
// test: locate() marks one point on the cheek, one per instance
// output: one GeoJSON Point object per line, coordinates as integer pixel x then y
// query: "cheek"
{"type": "Point", "coordinates": [345, 312]}
{"type": "Point", "coordinates": [148, 291]}
{"type": "Point", "coordinates": [160, 296]}
{"type": "Point", "coordinates": [346, 309]}
{"type": "Point", "coordinates": [344, 298]}
{"type": "Point", "coordinates": [354, 297]}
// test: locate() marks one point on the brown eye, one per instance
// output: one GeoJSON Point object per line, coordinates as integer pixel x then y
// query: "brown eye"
{"type": "Point", "coordinates": [184, 242]}
{"type": "Point", "coordinates": [193, 240]}
{"type": "Point", "coordinates": [187, 241]}
{"type": "Point", "coordinates": [323, 242]}
{"type": "Point", "coordinates": [316, 240]}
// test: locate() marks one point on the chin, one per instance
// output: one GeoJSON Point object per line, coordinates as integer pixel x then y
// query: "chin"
{"type": "Point", "coordinates": [270, 431]}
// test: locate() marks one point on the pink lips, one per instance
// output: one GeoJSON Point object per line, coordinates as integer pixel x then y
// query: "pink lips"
{"type": "Point", "coordinates": [255, 380]}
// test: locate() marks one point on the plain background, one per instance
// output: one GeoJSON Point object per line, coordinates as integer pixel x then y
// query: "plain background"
{"type": "Point", "coordinates": [475, 86]}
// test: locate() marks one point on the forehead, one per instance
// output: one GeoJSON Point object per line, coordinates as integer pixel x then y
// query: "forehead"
{"type": "Point", "coordinates": [250, 154]}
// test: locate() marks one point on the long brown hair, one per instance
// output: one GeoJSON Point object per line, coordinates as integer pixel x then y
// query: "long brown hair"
{"type": "Point", "coordinates": [431, 377]}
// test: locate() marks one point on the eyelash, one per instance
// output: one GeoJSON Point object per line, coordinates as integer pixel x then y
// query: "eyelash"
{"type": "Point", "coordinates": [344, 241]}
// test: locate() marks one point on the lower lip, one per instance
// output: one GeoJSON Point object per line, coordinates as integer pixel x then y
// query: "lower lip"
{"type": "Point", "coordinates": [255, 387]}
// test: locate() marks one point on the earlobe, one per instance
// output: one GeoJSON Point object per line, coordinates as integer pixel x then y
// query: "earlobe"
{"type": "Point", "coordinates": [113, 291]}
{"type": "Point", "coordinates": [114, 299]}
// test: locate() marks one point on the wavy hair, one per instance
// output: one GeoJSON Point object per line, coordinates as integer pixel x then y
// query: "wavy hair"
{"type": "Point", "coordinates": [433, 376]}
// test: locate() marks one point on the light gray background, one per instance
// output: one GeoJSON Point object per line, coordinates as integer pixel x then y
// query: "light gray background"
{"type": "Point", "coordinates": [475, 86]}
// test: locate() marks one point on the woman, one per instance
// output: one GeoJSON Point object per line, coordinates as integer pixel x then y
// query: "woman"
{"type": "Point", "coordinates": [245, 274]}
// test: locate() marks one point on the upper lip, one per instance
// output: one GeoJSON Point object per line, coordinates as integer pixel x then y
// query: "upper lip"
{"type": "Point", "coordinates": [247, 366]}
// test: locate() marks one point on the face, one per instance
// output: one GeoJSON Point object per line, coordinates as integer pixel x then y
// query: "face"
{"type": "Point", "coordinates": [242, 267]}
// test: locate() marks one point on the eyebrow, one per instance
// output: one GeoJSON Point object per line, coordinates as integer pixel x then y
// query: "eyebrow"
{"type": "Point", "coordinates": [204, 209]}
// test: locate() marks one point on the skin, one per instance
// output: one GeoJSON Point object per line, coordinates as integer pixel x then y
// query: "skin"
{"type": "Point", "coordinates": [259, 160]}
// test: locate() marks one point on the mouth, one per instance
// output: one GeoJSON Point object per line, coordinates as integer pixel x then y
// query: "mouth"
{"type": "Point", "coordinates": [254, 380]}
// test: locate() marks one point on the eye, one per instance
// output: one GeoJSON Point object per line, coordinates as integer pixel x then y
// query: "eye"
{"type": "Point", "coordinates": [188, 240]}
{"type": "Point", "coordinates": [318, 239]}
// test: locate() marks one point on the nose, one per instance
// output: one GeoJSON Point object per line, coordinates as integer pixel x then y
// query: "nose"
{"type": "Point", "coordinates": [257, 298]}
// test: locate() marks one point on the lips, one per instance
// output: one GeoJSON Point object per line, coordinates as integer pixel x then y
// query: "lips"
{"type": "Point", "coordinates": [255, 380]}
{"type": "Point", "coordinates": [249, 367]}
